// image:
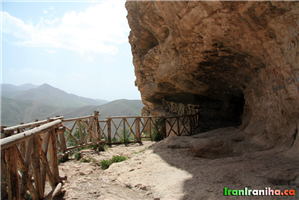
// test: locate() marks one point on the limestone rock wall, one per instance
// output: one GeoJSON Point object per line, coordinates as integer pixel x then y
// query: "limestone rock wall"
{"type": "Point", "coordinates": [239, 60]}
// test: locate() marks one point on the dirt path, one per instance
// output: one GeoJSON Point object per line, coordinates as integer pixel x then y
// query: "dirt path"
{"type": "Point", "coordinates": [186, 167]}
{"type": "Point", "coordinates": [84, 179]}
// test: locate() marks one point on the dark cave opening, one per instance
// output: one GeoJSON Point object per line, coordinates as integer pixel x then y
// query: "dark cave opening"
{"type": "Point", "coordinates": [215, 113]}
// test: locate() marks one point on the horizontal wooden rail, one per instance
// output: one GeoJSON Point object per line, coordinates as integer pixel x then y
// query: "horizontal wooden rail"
{"type": "Point", "coordinates": [79, 118]}
{"type": "Point", "coordinates": [162, 116]}
{"type": "Point", "coordinates": [20, 137]}
{"type": "Point", "coordinates": [29, 125]}
{"type": "Point", "coordinates": [120, 117]}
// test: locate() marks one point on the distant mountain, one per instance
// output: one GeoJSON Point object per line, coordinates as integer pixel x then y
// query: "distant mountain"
{"type": "Point", "coordinates": [13, 88]}
{"type": "Point", "coordinates": [47, 94]}
{"type": "Point", "coordinates": [101, 101]}
{"type": "Point", "coordinates": [15, 111]}
{"type": "Point", "coordinates": [120, 107]}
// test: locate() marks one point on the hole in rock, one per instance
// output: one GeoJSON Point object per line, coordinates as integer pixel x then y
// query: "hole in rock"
{"type": "Point", "coordinates": [215, 113]}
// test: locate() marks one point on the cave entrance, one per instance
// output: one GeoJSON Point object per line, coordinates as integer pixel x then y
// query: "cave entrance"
{"type": "Point", "coordinates": [221, 113]}
{"type": "Point", "coordinates": [215, 113]}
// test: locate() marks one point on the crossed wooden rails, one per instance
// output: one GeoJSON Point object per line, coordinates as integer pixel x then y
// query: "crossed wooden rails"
{"type": "Point", "coordinates": [170, 125]}
{"type": "Point", "coordinates": [30, 152]}
{"type": "Point", "coordinates": [30, 157]}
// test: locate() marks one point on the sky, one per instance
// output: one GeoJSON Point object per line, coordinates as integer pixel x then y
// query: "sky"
{"type": "Point", "coordinates": [79, 47]}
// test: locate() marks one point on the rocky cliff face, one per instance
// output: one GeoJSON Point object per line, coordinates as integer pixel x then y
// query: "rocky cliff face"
{"type": "Point", "coordinates": [238, 60]}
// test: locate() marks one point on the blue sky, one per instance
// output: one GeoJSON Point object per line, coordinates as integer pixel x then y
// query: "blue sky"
{"type": "Point", "coordinates": [79, 47]}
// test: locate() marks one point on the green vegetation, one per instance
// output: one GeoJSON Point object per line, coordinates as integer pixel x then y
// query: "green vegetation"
{"type": "Point", "coordinates": [156, 133]}
{"type": "Point", "coordinates": [88, 160]}
{"type": "Point", "coordinates": [72, 141]}
{"type": "Point", "coordinates": [28, 196]}
{"type": "Point", "coordinates": [146, 134]}
{"type": "Point", "coordinates": [125, 136]}
{"type": "Point", "coordinates": [77, 156]}
{"type": "Point", "coordinates": [103, 147]}
{"type": "Point", "coordinates": [62, 160]}
{"type": "Point", "coordinates": [142, 151]}
{"type": "Point", "coordinates": [106, 163]}
{"type": "Point", "coordinates": [157, 136]}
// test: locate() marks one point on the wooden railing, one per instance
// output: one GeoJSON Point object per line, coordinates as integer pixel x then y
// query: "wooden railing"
{"type": "Point", "coordinates": [26, 161]}
{"type": "Point", "coordinates": [92, 133]}
{"type": "Point", "coordinates": [143, 127]}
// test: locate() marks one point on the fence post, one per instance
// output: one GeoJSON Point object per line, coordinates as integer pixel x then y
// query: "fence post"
{"type": "Point", "coordinates": [124, 128]}
{"type": "Point", "coordinates": [109, 131]}
{"type": "Point", "coordinates": [3, 171]}
{"type": "Point", "coordinates": [190, 125]}
{"type": "Point", "coordinates": [80, 131]}
{"type": "Point", "coordinates": [137, 129]}
{"type": "Point", "coordinates": [97, 129]}
{"type": "Point", "coordinates": [150, 127]}
{"type": "Point", "coordinates": [36, 167]}
{"type": "Point", "coordinates": [63, 145]}
{"type": "Point", "coordinates": [53, 157]}
{"type": "Point", "coordinates": [13, 176]}
{"type": "Point", "coordinates": [163, 128]}
{"type": "Point", "coordinates": [178, 124]}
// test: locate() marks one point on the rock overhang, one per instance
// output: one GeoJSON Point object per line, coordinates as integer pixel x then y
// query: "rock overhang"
{"type": "Point", "coordinates": [235, 55]}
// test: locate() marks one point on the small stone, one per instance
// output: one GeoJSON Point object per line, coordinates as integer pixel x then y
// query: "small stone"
{"type": "Point", "coordinates": [143, 187]}
{"type": "Point", "coordinates": [82, 173]}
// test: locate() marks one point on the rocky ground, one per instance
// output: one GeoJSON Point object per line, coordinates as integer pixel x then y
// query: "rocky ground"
{"type": "Point", "coordinates": [84, 179]}
{"type": "Point", "coordinates": [187, 167]}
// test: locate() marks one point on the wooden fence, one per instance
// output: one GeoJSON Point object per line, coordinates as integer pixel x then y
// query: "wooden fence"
{"type": "Point", "coordinates": [24, 160]}
{"type": "Point", "coordinates": [30, 152]}
{"type": "Point", "coordinates": [145, 126]}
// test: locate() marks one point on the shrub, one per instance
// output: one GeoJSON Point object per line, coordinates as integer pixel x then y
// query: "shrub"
{"type": "Point", "coordinates": [124, 136]}
{"type": "Point", "coordinates": [77, 156]}
{"type": "Point", "coordinates": [103, 147]}
{"type": "Point", "coordinates": [87, 160]}
{"type": "Point", "coordinates": [62, 160]}
{"type": "Point", "coordinates": [114, 140]}
{"type": "Point", "coordinates": [106, 163]}
{"type": "Point", "coordinates": [157, 136]}
{"type": "Point", "coordinates": [28, 197]}
{"type": "Point", "coordinates": [118, 159]}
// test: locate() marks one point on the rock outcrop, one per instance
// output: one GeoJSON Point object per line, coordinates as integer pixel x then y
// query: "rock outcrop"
{"type": "Point", "coordinates": [238, 60]}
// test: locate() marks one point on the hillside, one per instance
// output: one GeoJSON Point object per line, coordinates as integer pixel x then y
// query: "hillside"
{"type": "Point", "coordinates": [120, 107]}
{"type": "Point", "coordinates": [13, 88]}
{"type": "Point", "coordinates": [15, 111]}
{"type": "Point", "coordinates": [47, 94]}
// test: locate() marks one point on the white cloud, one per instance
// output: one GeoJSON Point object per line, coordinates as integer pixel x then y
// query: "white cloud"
{"type": "Point", "coordinates": [52, 14]}
{"type": "Point", "coordinates": [50, 51]}
{"type": "Point", "coordinates": [99, 29]}
{"type": "Point", "coordinates": [52, 21]}
{"type": "Point", "coordinates": [45, 11]}
{"type": "Point", "coordinates": [89, 58]}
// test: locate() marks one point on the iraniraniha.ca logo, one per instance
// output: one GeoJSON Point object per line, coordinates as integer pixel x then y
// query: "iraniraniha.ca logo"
{"type": "Point", "coordinates": [265, 192]}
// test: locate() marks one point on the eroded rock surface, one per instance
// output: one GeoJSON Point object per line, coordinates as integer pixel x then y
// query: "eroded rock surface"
{"type": "Point", "coordinates": [238, 60]}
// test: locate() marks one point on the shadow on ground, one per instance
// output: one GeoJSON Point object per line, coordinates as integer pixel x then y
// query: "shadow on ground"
{"type": "Point", "coordinates": [224, 158]}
